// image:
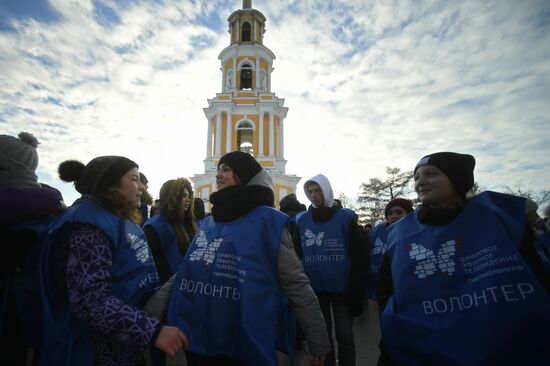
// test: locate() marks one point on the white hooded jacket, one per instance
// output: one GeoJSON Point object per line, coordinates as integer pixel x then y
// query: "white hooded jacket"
{"type": "Point", "coordinates": [326, 188]}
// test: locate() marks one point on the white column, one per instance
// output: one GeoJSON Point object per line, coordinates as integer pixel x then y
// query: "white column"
{"type": "Point", "coordinates": [268, 78]}
{"type": "Point", "coordinates": [224, 76]}
{"type": "Point", "coordinates": [261, 133]}
{"type": "Point", "coordinates": [218, 133]}
{"type": "Point", "coordinates": [257, 72]}
{"type": "Point", "coordinates": [271, 134]}
{"type": "Point", "coordinates": [281, 139]}
{"type": "Point", "coordinates": [235, 72]}
{"type": "Point", "coordinates": [228, 132]}
{"type": "Point", "coordinates": [209, 138]}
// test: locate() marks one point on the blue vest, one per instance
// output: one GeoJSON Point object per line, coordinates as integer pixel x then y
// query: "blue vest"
{"type": "Point", "coordinates": [377, 238]}
{"type": "Point", "coordinates": [168, 240]}
{"type": "Point", "coordinates": [463, 295]}
{"type": "Point", "coordinates": [134, 280]}
{"type": "Point", "coordinates": [226, 296]}
{"type": "Point", "coordinates": [326, 253]}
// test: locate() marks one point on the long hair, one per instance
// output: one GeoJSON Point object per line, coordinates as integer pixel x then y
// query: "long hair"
{"type": "Point", "coordinates": [183, 222]}
{"type": "Point", "coordinates": [114, 202]}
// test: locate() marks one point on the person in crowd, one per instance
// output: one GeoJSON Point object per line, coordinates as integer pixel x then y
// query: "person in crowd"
{"type": "Point", "coordinates": [331, 245]}
{"type": "Point", "coordinates": [155, 208]}
{"type": "Point", "coordinates": [97, 272]}
{"type": "Point", "coordinates": [547, 218]}
{"type": "Point", "coordinates": [170, 232]}
{"type": "Point", "coordinates": [200, 214]}
{"type": "Point", "coordinates": [292, 207]}
{"type": "Point", "coordinates": [230, 285]}
{"type": "Point", "coordinates": [542, 236]}
{"type": "Point", "coordinates": [146, 199]}
{"type": "Point", "coordinates": [461, 282]}
{"type": "Point", "coordinates": [26, 209]}
{"type": "Point", "coordinates": [396, 209]}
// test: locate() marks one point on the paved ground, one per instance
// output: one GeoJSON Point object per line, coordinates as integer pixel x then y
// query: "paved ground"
{"type": "Point", "coordinates": [367, 336]}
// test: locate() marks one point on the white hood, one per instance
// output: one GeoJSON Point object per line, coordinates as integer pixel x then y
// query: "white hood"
{"type": "Point", "coordinates": [324, 183]}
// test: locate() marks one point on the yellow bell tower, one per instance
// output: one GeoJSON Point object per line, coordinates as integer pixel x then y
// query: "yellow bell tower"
{"type": "Point", "coordinates": [246, 115]}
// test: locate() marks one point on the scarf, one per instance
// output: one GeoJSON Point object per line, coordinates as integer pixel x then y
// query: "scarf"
{"type": "Point", "coordinates": [322, 214]}
{"type": "Point", "coordinates": [438, 216]}
{"type": "Point", "coordinates": [22, 178]}
{"type": "Point", "coordinates": [236, 201]}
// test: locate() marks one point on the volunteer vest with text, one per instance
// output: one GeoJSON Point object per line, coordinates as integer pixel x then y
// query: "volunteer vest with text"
{"type": "Point", "coordinates": [326, 253]}
{"type": "Point", "coordinates": [377, 238]}
{"type": "Point", "coordinates": [226, 296]}
{"type": "Point", "coordinates": [134, 280]}
{"type": "Point", "coordinates": [168, 240]}
{"type": "Point", "coordinates": [463, 295]}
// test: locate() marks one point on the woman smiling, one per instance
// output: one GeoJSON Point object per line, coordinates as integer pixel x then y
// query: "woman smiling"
{"type": "Point", "coordinates": [97, 272]}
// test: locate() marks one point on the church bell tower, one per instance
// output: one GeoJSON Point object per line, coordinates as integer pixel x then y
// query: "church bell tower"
{"type": "Point", "coordinates": [246, 115]}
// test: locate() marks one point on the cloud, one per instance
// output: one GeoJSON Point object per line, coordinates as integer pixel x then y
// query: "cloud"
{"type": "Point", "coordinates": [368, 84]}
{"type": "Point", "coordinates": [433, 76]}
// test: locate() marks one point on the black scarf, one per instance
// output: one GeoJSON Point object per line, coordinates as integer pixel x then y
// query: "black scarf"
{"type": "Point", "coordinates": [438, 216]}
{"type": "Point", "coordinates": [322, 214]}
{"type": "Point", "coordinates": [236, 201]}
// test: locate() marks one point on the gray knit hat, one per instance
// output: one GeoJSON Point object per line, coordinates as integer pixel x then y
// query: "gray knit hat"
{"type": "Point", "coordinates": [18, 160]}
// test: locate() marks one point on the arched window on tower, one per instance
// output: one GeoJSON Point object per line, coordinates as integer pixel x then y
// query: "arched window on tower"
{"type": "Point", "coordinates": [246, 76]}
{"type": "Point", "coordinates": [246, 32]}
{"type": "Point", "coordinates": [245, 134]}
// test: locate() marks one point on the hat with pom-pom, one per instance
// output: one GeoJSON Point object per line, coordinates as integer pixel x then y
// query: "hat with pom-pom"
{"type": "Point", "coordinates": [18, 159]}
{"type": "Point", "coordinates": [96, 176]}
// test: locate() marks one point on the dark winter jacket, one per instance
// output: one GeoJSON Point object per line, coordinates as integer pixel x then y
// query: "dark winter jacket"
{"type": "Point", "coordinates": [26, 203]}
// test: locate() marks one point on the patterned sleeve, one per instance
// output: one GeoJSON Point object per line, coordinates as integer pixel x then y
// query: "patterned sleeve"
{"type": "Point", "coordinates": [89, 265]}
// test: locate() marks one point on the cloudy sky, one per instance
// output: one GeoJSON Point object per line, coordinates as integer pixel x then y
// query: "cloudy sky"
{"type": "Point", "coordinates": [369, 84]}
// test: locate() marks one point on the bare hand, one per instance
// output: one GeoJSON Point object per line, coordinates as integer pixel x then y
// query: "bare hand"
{"type": "Point", "coordinates": [317, 361]}
{"type": "Point", "coordinates": [171, 340]}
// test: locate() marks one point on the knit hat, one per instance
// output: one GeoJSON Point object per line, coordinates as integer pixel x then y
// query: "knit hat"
{"type": "Point", "coordinates": [404, 203]}
{"type": "Point", "coordinates": [98, 175]}
{"type": "Point", "coordinates": [243, 165]}
{"type": "Point", "coordinates": [18, 159]}
{"type": "Point", "coordinates": [458, 167]}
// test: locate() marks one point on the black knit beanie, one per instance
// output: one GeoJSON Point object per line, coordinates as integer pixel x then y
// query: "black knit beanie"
{"type": "Point", "coordinates": [243, 165]}
{"type": "Point", "coordinates": [458, 167]}
{"type": "Point", "coordinates": [404, 203]}
{"type": "Point", "coordinates": [98, 175]}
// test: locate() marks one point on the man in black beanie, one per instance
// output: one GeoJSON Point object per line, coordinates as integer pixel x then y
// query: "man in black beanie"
{"type": "Point", "coordinates": [458, 167]}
